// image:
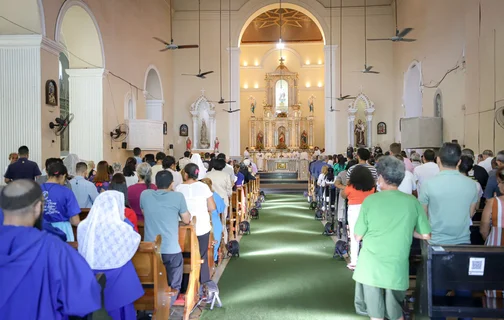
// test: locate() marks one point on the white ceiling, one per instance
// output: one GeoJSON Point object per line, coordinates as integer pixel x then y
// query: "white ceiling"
{"type": "Point", "coordinates": [211, 5]}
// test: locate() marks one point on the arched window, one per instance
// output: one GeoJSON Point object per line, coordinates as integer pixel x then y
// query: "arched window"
{"type": "Point", "coordinates": [438, 104]}
{"type": "Point", "coordinates": [129, 106]}
{"type": "Point", "coordinates": [131, 109]}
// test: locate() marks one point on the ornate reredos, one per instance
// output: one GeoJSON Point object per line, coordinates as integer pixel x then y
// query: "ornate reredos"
{"type": "Point", "coordinates": [282, 73]}
{"type": "Point", "coordinates": [369, 105]}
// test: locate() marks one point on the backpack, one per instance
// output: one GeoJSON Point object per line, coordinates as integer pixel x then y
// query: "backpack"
{"type": "Point", "coordinates": [318, 214]}
{"type": "Point", "coordinates": [313, 205]}
{"type": "Point", "coordinates": [258, 204]}
{"type": "Point", "coordinates": [340, 249]}
{"type": "Point", "coordinates": [233, 248]}
{"type": "Point", "coordinates": [329, 229]}
{"type": "Point", "coordinates": [244, 227]}
{"type": "Point", "coordinates": [254, 213]}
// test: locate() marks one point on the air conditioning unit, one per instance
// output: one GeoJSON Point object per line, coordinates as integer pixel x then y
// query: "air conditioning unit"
{"type": "Point", "coordinates": [145, 134]}
{"type": "Point", "coordinates": [421, 132]}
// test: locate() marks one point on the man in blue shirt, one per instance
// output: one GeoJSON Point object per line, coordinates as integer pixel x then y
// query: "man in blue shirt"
{"type": "Point", "coordinates": [23, 168]}
{"type": "Point", "coordinates": [492, 187]}
{"type": "Point", "coordinates": [162, 209]}
{"type": "Point", "coordinates": [84, 191]}
{"type": "Point", "coordinates": [136, 153]}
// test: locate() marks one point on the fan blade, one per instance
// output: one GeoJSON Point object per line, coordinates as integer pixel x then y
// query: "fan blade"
{"type": "Point", "coordinates": [165, 49]}
{"type": "Point", "coordinates": [161, 40]}
{"type": "Point", "coordinates": [205, 73]}
{"type": "Point", "coordinates": [188, 74]}
{"type": "Point", "coordinates": [188, 46]}
{"type": "Point", "coordinates": [407, 40]}
{"type": "Point", "coordinates": [373, 72]}
{"type": "Point", "coordinates": [404, 32]}
{"type": "Point", "coordinates": [380, 39]}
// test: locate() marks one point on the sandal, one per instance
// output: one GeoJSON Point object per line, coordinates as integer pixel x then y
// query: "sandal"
{"type": "Point", "coordinates": [351, 267]}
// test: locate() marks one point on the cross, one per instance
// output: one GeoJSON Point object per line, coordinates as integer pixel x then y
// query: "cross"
{"type": "Point", "coordinates": [202, 92]}
{"type": "Point", "coordinates": [281, 60]}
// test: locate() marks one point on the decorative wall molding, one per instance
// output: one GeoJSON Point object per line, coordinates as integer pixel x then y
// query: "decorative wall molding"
{"type": "Point", "coordinates": [52, 46]}
{"type": "Point", "coordinates": [20, 41]}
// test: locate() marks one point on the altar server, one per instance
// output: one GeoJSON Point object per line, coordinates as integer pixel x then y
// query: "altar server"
{"type": "Point", "coordinates": [41, 277]}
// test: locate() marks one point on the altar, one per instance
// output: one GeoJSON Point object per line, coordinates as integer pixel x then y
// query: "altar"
{"type": "Point", "coordinates": [282, 125]}
{"type": "Point", "coordinates": [281, 165]}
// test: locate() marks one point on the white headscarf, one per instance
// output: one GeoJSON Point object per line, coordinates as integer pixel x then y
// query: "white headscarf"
{"type": "Point", "coordinates": [105, 240]}
{"type": "Point", "coordinates": [196, 159]}
{"type": "Point", "coordinates": [70, 163]}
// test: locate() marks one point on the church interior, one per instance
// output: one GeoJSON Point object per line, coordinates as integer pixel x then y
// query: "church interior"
{"type": "Point", "coordinates": [277, 86]}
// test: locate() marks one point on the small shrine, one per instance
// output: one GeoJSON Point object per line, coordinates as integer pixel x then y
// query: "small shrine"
{"type": "Point", "coordinates": [204, 124]}
{"type": "Point", "coordinates": [360, 121]}
{"type": "Point", "coordinates": [282, 125]}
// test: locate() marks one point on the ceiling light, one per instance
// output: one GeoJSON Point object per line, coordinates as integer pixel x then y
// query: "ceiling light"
{"type": "Point", "coordinates": [245, 86]}
{"type": "Point", "coordinates": [280, 44]}
{"type": "Point", "coordinates": [256, 85]}
{"type": "Point", "coordinates": [245, 63]}
{"type": "Point", "coordinates": [256, 63]}
{"type": "Point", "coordinates": [320, 61]}
{"type": "Point", "coordinates": [319, 84]}
{"type": "Point", "coordinates": [308, 84]}
{"type": "Point", "coordinates": [307, 62]}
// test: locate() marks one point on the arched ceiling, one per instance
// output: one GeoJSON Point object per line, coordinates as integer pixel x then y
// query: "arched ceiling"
{"type": "Point", "coordinates": [295, 26]}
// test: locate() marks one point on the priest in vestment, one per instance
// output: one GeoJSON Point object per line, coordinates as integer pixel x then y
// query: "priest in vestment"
{"type": "Point", "coordinates": [41, 277]}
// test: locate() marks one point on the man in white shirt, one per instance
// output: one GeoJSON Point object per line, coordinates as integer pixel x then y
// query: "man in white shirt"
{"type": "Point", "coordinates": [228, 169]}
{"type": "Point", "coordinates": [487, 160]}
{"type": "Point", "coordinates": [159, 163]}
{"type": "Point", "coordinates": [170, 164]}
{"type": "Point", "coordinates": [316, 152]}
{"type": "Point", "coordinates": [246, 153]}
{"type": "Point", "coordinates": [295, 154]}
{"type": "Point", "coordinates": [260, 161]}
{"type": "Point", "coordinates": [427, 170]}
{"type": "Point", "coordinates": [304, 155]}
{"type": "Point", "coordinates": [185, 160]}
{"type": "Point", "coordinates": [84, 191]}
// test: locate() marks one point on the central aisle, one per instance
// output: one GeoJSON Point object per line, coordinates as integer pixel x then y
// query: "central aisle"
{"type": "Point", "coordinates": [285, 270]}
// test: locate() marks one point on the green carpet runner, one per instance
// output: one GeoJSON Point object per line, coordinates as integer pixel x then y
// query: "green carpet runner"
{"type": "Point", "coordinates": [286, 270]}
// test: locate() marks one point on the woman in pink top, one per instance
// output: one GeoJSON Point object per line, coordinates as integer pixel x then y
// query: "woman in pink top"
{"type": "Point", "coordinates": [144, 173]}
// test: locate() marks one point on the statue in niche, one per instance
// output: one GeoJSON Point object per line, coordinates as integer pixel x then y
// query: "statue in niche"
{"type": "Point", "coordinates": [359, 131]}
{"type": "Point", "coordinates": [260, 140]}
{"type": "Point", "coordinates": [281, 141]}
{"type": "Point", "coordinates": [216, 145]}
{"type": "Point", "coordinates": [188, 144]}
{"type": "Point", "coordinates": [204, 143]}
{"type": "Point", "coordinates": [253, 104]}
{"type": "Point", "coordinates": [310, 103]}
{"type": "Point", "coordinates": [304, 140]}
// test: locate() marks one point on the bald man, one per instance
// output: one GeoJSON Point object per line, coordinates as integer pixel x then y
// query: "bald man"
{"type": "Point", "coordinates": [41, 277]}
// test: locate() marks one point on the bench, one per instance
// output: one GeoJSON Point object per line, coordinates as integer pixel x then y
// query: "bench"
{"type": "Point", "coordinates": [152, 274]}
{"type": "Point", "coordinates": [233, 212]}
{"type": "Point", "coordinates": [459, 268]}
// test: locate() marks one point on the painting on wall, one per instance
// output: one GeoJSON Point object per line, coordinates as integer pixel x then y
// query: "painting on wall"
{"type": "Point", "coordinates": [381, 128]}
{"type": "Point", "coordinates": [51, 93]}
{"type": "Point", "coordinates": [184, 130]}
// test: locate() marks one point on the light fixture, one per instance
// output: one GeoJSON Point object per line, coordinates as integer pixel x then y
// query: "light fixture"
{"type": "Point", "coordinates": [245, 86]}
{"type": "Point", "coordinates": [320, 61]}
{"type": "Point", "coordinates": [308, 84]}
{"type": "Point", "coordinates": [256, 63]}
{"type": "Point", "coordinates": [307, 62]}
{"type": "Point", "coordinates": [319, 84]}
{"type": "Point", "coordinates": [256, 86]}
{"type": "Point", "coordinates": [245, 63]}
{"type": "Point", "coordinates": [280, 44]}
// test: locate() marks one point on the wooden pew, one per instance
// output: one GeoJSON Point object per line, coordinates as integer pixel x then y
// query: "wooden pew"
{"type": "Point", "coordinates": [152, 274]}
{"type": "Point", "coordinates": [454, 268]}
{"type": "Point", "coordinates": [232, 221]}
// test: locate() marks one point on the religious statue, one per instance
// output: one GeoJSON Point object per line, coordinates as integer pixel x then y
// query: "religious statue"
{"type": "Point", "coordinates": [304, 140]}
{"type": "Point", "coordinates": [253, 104]}
{"type": "Point", "coordinates": [282, 99]}
{"type": "Point", "coordinates": [359, 131]}
{"type": "Point", "coordinates": [216, 145]}
{"type": "Point", "coordinates": [310, 103]}
{"type": "Point", "coordinates": [281, 141]}
{"type": "Point", "coordinates": [260, 160]}
{"type": "Point", "coordinates": [260, 140]}
{"type": "Point", "coordinates": [188, 144]}
{"type": "Point", "coordinates": [204, 143]}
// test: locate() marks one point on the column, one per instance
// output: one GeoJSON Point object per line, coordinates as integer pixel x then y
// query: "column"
{"type": "Point", "coordinates": [194, 130]}
{"type": "Point", "coordinates": [86, 103]}
{"type": "Point", "coordinates": [289, 134]}
{"type": "Point", "coordinates": [234, 118]}
{"type": "Point", "coordinates": [296, 135]}
{"type": "Point", "coordinates": [213, 128]}
{"type": "Point", "coordinates": [369, 130]}
{"type": "Point", "coordinates": [20, 96]}
{"type": "Point", "coordinates": [330, 117]}
{"type": "Point", "coordinates": [154, 109]}
{"type": "Point", "coordinates": [351, 135]}
{"type": "Point", "coordinates": [310, 134]}
{"type": "Point", "coordinates": [266, 135]}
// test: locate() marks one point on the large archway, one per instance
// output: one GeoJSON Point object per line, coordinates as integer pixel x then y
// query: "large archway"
{"type": "Point", "coordinates": [78, 32]}
{"type": "Point", "coordinates": [153, 94]}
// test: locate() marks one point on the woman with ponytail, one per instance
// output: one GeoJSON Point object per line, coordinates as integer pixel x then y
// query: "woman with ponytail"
{"type": "Point", "coordinates": [144, 173]}
{"type": "Point", "coordinates": [200, 204]}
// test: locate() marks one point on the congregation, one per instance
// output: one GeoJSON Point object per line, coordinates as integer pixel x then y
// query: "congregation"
{"type": "Point", "coordinates": [154, 192]}
{"type": "Point", "coordinates": [392, 199]}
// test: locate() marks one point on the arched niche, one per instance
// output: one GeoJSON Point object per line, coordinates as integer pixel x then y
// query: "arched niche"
{"type": "Point", "coordinates": [129, 106]}
{"type": "Point", "coordinates": [27, 13]}
{"type": "Point", "coordinates": [412, 97]}
{"type": "Point", "coordinates": [153, 94]}
{"type": "Point", "coordinates": [360, 118]}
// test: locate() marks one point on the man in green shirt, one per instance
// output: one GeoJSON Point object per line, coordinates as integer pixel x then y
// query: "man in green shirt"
{"type": "Point", "coordinates": [387, 222]}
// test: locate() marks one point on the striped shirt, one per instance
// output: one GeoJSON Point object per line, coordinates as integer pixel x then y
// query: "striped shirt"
{"type": "Point", "coordinates": [370, 167]}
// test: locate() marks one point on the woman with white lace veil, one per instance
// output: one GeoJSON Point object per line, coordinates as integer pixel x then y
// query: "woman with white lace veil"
{"type": "Point", "coordinates": [196, 159]}
{"type": "Point", "coordinates": [108, 244]}
{"type": "Point", "coordinates": [70, 163]}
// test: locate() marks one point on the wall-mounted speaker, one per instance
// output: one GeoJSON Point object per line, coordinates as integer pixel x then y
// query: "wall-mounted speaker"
{"type": "Point", "coordinates": [124, 145]}
{"type": "Point", "coordinates": [170, 146]}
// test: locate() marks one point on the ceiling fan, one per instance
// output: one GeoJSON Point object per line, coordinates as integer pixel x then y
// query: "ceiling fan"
{"type": "Point", "coordinates": [399, 35]}
{"type": "Point", "coordinates": [171, 45]}
{"type": "Point", "coordinates": [367, 69]}
{"type": "Point", "coordinates": [222, 101]}
{"type": "Point", "coordinates": [201, 75]}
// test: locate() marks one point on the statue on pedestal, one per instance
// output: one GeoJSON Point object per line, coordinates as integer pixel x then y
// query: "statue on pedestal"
{"type": "Point", "coordinates": [253, 104]}
{"type": "Point", "coordinates": [310, 103]}
{"type": "Point", "coordinates": [260, 140]}
{"type": "Point", "coordinates": [304, 140]}
{"type": "Point", "coordinates": [188, 144]}
{"type": "Point", "coordinates": [204, 143]}
{"type": "Point", "coordinates": [216, 145]}
{"type": "Point", "coordinates": [281, 141]}
{"type": "Point", "coordinates": [360, 130]}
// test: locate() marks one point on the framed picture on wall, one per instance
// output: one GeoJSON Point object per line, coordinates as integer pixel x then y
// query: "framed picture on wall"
{"type": "Point", "coordinates": [184, 130]}
{"type": "Point", "coordinates": [51, 93]}
{"type": "Point", "coordinates": [381, 128]}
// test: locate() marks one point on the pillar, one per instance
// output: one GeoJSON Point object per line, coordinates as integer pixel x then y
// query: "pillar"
{"type": "Point", "coordinates": [154, 109]}
{"type": "Point", "coordinates": [351, 135]}
{"type": "Point", "coordinates": [234, 118]}
{"type": "Point", "coordinates": [86, 103]}
{"type": "Point", "coordinates": [20, 96]}
{"type": "Point", "coordinates": [330, 117]}
{"type": "Point", "coordinates": [369, 131]}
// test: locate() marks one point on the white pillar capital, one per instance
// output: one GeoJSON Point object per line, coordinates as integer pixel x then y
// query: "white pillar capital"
{"type": "Point", "coordinates": [21, 41]}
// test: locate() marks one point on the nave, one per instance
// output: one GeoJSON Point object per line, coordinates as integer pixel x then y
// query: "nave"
{"type": "Point", "coordinates": [285, 269]}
